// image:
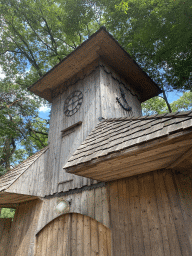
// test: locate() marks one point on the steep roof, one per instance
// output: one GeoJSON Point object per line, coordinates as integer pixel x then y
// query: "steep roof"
{"type": "Point", "coordinates": [100, 45]}
{"type": "Point", "coordinates": [119, 134]}
{"type": "Point", "coordinates": [11, 176]}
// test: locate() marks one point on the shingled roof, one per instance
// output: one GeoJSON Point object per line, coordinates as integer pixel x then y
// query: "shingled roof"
{"type": "Point", "coordinates": [99, 45]}
{"type": "Point", "coordinates": [115, 135]}
{"type": "Point", "coordinates": [11, 176]}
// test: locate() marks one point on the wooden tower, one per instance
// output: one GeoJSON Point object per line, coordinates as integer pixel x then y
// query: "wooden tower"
{"type": "Point", "coordinates": [110, 182]}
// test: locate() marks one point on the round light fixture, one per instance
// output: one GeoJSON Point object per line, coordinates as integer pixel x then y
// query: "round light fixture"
{"type": "Point", "coordinates": [62, 206]}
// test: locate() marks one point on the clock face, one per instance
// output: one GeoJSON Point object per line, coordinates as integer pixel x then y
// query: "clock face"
{"type": "Point", "coordinates": [73, 103]}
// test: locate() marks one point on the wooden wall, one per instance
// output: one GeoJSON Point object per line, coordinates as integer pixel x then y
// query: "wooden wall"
{"type": "Point", "coordinates": [99, 100]}
{"type": "Point", "coordinates": [31, 217]}
{"type": "Point", "coordinates": [23, 230]}
{"type": "Point", "coordinates": [60, 149]}
{"type": "Point", "coordinates": [74, 234]}
{"type": "Point", "coordinates": [110, 84]}
{"type": "Point", "coordinates": [92, 203]}
{"type": "Point", "coordinates": [148, 214]}
{"type": "Point", "coordinates": [5, 226]}
{"type": "Point", "coordinates": [100, 87]}
{"type": "Point", "coordinates": [32, 181]}
{"type": "Point", "coordinates": [151, 214]}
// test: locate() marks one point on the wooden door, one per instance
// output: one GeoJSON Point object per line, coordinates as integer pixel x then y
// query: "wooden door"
{"type": "Point", "coordinates": [74, 234]}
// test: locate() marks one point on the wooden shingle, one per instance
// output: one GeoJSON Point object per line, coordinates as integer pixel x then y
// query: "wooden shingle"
{"type": "Point", "coordinates": [114, 136]}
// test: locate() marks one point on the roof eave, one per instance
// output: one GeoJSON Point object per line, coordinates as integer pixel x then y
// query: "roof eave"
{"type": "Point", "coordinates": [100, 44]}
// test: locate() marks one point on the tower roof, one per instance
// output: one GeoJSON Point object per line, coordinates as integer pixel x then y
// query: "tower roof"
{"type": "Point", "coordinates": [100, 45]}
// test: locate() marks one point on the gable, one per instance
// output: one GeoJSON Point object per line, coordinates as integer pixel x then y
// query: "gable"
{"type": "Point", "coordinates": [11, 176]}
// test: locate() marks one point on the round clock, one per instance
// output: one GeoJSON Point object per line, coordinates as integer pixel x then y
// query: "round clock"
{"type": "Point", "coordinates": [73, 103]}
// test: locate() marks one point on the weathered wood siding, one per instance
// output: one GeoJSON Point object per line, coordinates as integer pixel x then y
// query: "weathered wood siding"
{"type": "Point", "coordinates": [32, 216]}
{"type": "Point", "coordinates": [151, 214]}
{"type": "Point", "coordinates": [5, 226]}
{"type": "Point", "coordinates": [99, 100]}
{"type": "Point", "coordinates": [110, 84]}
{"type": "Point", "coordinates": [23, 229]}
{"type": "Point", "coordinates": [74, 234]}
{"type": "Point", "coordinates": [32, 181]}
{"type": "Point", "coordinates": [60, 149]}
{"type": "Point", "coordinates": [92, 203]}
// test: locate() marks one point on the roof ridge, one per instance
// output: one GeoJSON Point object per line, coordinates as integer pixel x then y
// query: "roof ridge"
{"type": "Point", "coordinates": [155, 116]}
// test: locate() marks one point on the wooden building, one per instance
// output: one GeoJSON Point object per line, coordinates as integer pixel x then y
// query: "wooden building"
{"type": "Point", "coordinates": [111, 181]}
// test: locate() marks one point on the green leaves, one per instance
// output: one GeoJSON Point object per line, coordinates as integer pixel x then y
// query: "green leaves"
{"type": "Point", "coordinates": [36, 35]}
{"type": "Point", "coordinates": [157, 105]}
{"type": "Point", "coordinates": [22, 132]}
{"type": "Point", "coordinates": [7, 213]}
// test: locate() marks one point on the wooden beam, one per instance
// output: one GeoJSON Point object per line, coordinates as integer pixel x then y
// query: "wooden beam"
{"type": "Point", "coordinates": [12, 206]}
{"type": "Point", "coordinates": [70, 128]}
{"type": "Point", "coordinates": [180, 159]}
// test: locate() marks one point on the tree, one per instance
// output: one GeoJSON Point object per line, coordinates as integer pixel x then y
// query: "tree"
{"type": "Point", "coordinates": [37, 34]}
{"type": "Point", "coordinates": [157, 33]}
{"type": "Point", "coordinates": [22, 132]}
{"type": "Point", "coordinates": [157, 105]}
{"type": "Point", "coordinates": [7, 213]}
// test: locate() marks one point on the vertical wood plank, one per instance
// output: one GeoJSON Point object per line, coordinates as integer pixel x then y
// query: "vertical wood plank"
{"type": "Point", "coordinates": [128, 224]}
{"type": "Point", "coordinates": [5, 226]}
{"type": "Point", "coordinates": [94, 238]}
{"type": "Point", "coordinates": [91, 203]}
{"type": "Point", "coordinates": [74, 235]}
{"type": "Point", "coordinates": [162, 214]}
{"type": "Point", "coordinates": [66, 234]}
{"type": "Point", "coordinates": [98, 205]}
{"type": "Point", "coordinates": [137, 234]}
{"type": "Point", "coordinates": [84, 205]}
{"type": "Point", "coordinates": [80, 234]}
{"type": "Point", "coordinates": [39, 244]}
{"type": "Point", "coordinates": [153, 217]}
{"type": "Point", "coordinates": [87, 236]}
{"type": "Point", "coordinates": [171, 229]}
{"type": "Point", "coordinates": [55, 236]}
{"type": "Point", "coordinates": [59, 251]}
{"type": "Point", "coordinates": [144, 218]}
{"type": "Point", "coordinates": [122, 233]}
{"type": "Point", "coordinates": [105, 206]}
{"type": "Point", "coordinates": [102, 240]}
{"type": "Point", "coordinates": [114, 218]}
{"type": "Point", "coordinates": [184, 184]}
{"type": "Point", "coordinates": [177, 215]}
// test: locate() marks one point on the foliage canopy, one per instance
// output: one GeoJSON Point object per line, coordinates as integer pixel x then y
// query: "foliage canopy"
{"type": "Point", "coordinates": [37, 34]}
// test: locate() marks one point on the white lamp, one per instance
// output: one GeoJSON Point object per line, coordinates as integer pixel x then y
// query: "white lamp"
{"type": "Point", "coordinates": [62, 206]}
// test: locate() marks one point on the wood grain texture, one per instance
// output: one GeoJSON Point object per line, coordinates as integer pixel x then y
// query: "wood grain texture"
{"type": "Point", "coordinates": [110, 83]}
{"type": "Point", "coordinates": [62, 148]}
{"type": "Point", "coordinates": [81, 235]}
{"type": "Point", "coordinates": [22, 233]}
{"type": "Point", "coordinates": [112, 164]}
{"type": "Point", "coordinates": [100, 89]}
{"type": "Point", "coordinates": [99, 44]}
{"type": "Point", "coordinates": [92, 203]}
{"type": "Point", "coordinates": [14, 174]}
{"type": "Point", "coordinates": [5, 226]}
{"type": "Point", "coordinates": [150, 214]}
{"type": "Point", "coordinates": [32, 181]}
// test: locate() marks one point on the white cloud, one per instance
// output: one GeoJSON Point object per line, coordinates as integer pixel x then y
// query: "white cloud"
{"type": "Point", "coordinates": [2, 75]}
{"type": "Point", "coordinates": [44, 108]}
